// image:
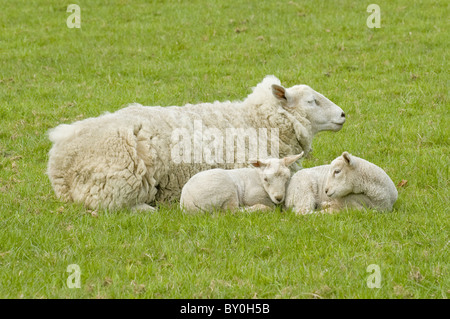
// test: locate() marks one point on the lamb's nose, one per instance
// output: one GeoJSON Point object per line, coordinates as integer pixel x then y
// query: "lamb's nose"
{"type": "Point", "coordinates": [326, 191]}
{"type": "Point", "coordinates": [342, 114]}
{"type": "Point", "coordinates": [279, 198]}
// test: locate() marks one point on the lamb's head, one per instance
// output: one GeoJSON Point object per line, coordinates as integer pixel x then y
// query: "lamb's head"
{"type": "Point", "coordinates": [275, 175]}
{"type": "Point", "coordinates": [342, 176]}
{"type": "Point", "coordinates": [301, 100]}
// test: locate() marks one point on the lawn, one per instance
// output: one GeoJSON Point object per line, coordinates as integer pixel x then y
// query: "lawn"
{"type": "Point", "coordinates": [391, 81]}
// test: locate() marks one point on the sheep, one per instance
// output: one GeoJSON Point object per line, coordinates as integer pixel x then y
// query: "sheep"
{"type": "Point", "coordinates": [257, 188]}
{"type": "Point", "coordinates": [141, 155]}
{"type": "Point", "coordinates": [348, 182]}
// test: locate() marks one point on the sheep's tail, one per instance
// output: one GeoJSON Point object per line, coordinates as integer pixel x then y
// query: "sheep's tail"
{"type": "Point", "coordinates": [64, 132]}
{"type": "Point", "coordinates": [61, 133]}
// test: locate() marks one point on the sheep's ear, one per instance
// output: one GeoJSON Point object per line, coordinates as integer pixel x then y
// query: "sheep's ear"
{"type": "Point", "coordinates": [348, 158]}
{"type": "Point", "coordinates": [279, 92]}
{"type": "Point", "coordinates": [292, 159]}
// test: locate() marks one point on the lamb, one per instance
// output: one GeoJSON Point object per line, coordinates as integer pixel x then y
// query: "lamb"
{"type": "Point", "coordinates": [348, 182]}
{"type": "Point", "coordinates": [141, 155]}
{"type": "Point", "coordinates": [257, 188]}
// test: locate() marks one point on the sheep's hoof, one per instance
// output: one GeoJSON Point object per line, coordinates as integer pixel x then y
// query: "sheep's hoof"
{"type": "Point", "coordinates": [328, 208]}
{"type": "Point", "coordinates": [143, 208]}
{"type": "Point", "coordinates": [304, 212]}
{"type": "Point", "coordinates": [325, 205]}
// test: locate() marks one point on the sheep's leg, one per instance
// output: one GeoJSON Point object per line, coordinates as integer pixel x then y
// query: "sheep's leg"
{"type": "Point", "coordinates": [302, 196]}
{"type": "Point", "coordinates": [306, 205]}
{"type": "Point", "coordinates": [305, 211]}
{"type": "Point", "coordinates": [231, 202]}
{"type": "Point", "coordinates": [330, 207]}
{"type": "Point", "coordinates": [257, 207]}
{"type": "Point", "coordinates": [358, 202]}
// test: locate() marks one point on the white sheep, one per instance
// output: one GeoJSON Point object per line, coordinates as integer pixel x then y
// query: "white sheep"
{"type": "Point", "coordinates": [256, 188]}
{"type": "Point", "coordinates": [348, 182]}
{"type": "Point", "coordinates": [141, 155]}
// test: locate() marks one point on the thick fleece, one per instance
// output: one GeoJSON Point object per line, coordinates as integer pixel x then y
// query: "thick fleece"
{"type": "Point", "coordinates": [125, 159]}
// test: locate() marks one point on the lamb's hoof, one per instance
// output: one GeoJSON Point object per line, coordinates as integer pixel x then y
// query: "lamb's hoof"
{"type": "Point", "coordinates": [325, 205]}
{"type": "Point", "coordinates": [305, 212]}
{"type": "Point", "coordinates": [143, 208]}
{"type": "Point", "coordinates": [257, 207]}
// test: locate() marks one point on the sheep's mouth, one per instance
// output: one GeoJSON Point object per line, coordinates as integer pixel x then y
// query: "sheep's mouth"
{"type": "Point", "coordinates": [276, 201]}
{"type": "Point", "coordinates": [339, 126]}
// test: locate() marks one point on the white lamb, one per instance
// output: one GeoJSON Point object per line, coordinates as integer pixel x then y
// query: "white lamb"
{"type": "Point", "coordinates": [348, 182]}
{"type": "Point", "coordinates": [131, 158]}
{"type": "Point", "coordinates": [257, 188]}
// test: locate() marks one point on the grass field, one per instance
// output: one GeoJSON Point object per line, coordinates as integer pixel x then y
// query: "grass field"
{"type": "Point", "coordinates": [392, 82]}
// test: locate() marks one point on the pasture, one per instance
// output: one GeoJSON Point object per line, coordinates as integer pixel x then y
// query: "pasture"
{"type": "Point", "coordinates": [392, 82]}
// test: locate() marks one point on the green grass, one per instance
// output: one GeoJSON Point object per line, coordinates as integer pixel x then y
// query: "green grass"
{"type": "Point", "coordinates": [392, 83]}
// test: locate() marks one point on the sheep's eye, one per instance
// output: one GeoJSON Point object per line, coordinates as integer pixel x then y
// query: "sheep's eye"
{"type": "Point", "coordinates": [337, 171]}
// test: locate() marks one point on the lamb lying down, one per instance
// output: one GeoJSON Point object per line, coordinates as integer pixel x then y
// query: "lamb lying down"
{"type": "Point", "coordinates": [256, 188]}
{"type": "Point", "coordinates": [348, 182]}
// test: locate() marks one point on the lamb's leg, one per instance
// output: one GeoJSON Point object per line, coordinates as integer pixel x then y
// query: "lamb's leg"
{"type": "Point", "coordinates": [143, 208]}
{"type": "Point", "coordinates": [301, 196]}
{"type": "Point", "coordinates": [306, 204]}
{"type": "Point", "coordinates": [330, 207]}
{"type": "Point", "coordinates": [257, 207]}
{"type": "Point", "coordinates": [231, 201]}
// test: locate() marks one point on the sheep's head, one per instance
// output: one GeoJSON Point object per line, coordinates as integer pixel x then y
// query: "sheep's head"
{"type": "Point", "coordinates": [323, 114]}
{"type": "Point", "coordinates": [340, 177]}
{"type": "Point", "coordinates": [275, 175]}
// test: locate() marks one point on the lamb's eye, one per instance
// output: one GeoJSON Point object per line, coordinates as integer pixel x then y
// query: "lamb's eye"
{"type": "Point", "coordinates": [266, 179]}
{"type": "Point", "coordinates": [311, 102]}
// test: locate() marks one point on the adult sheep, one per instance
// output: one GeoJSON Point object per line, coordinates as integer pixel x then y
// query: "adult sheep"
{"type": "Point", "coordinates": [131, 158]}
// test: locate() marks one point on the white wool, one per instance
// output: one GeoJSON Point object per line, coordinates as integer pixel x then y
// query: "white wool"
{"type": "Point", "coordinates": [348, 182]}
{"type": "Point", "coordinates": [125, 159]}
{"type": "Point", "coordinates": [260, 187]}
{"type": "Point", "coordinates": [263, 91]}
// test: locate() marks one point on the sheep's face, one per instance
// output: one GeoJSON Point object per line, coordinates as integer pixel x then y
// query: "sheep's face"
{"type": "Point", "coordinates": [274, 178]}
{"type": "Point", "coordinates": [339, 180]}
{"type": "Point", "coordinates": [275, 175]}
{"type": "Point", "coordinates": [323, 114]}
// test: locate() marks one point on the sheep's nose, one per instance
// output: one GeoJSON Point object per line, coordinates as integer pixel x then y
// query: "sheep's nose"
{"type": "Point", "coordinates": [326, 191]}
{"type": "Point", "coordinates": [342, 114]}
{"type": "Point", "coordinates": [279, 198]}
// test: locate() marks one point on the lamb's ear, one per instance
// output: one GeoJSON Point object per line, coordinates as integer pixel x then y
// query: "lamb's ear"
{"type": "Point", "coordinates": [292, 159]}
{"type": "Point", "coordinates": [348, 158]}
{"type": "Point", "coordinates": [258, 163]}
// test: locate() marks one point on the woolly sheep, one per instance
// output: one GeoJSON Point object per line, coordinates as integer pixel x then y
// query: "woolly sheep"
{"type": "Point", "coordinates": [348, 182]}
{"type": "Point", "coordinates": [129, 158]}
{"type": "Point", "coordinates": [255, 188]}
